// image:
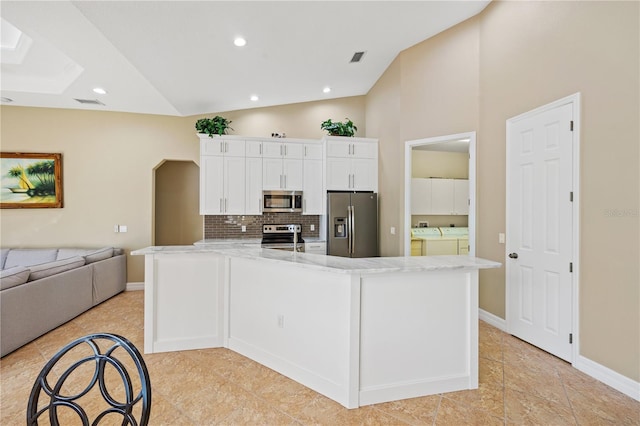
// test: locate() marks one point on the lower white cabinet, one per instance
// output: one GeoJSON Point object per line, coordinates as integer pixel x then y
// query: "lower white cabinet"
{"type": "Point", "coordinates": [316, 247]}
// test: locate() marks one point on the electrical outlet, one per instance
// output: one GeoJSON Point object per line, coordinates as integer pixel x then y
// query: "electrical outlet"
{"type": "Point", "coordinates": [501, 238]}
{"type": "Point", "coordinates": [393, 230]}
{"type": "Point", "coordinates": [313, 227]}
{"type": "Point", "coordinates": [116, 228]}
{"type": "Point", "coordinates": [281, 321]}
{"type": "Point", "coordinates": [244, 228]}
{"type": "Point", "coordinates": [123, 228]}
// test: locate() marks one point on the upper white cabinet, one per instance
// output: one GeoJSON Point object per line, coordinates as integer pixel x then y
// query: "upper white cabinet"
{"type": "Point", "coordinates": [352, 164]}
{"type": "Point", "coordinates": [253, 178]}
{"type": "Point", "coordinates": [222, 176]}
{"type": "Point", "coordinates": [282, 165]}
{"type": "Point", "coordinates": [312, 181]}
{"type": "Point", "coordinates": [439, 196]}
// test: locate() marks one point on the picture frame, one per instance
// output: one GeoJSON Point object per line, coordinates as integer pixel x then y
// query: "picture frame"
{"type": "Point", "coordinates": [30, 180]}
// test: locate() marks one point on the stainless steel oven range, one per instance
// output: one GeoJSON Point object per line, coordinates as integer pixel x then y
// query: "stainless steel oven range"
{"type": "Point", "coordinates": [283, 237]}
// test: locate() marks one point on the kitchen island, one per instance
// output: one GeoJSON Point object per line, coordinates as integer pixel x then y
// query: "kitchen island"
{"type": "Point", "coordinates": [359, 331]}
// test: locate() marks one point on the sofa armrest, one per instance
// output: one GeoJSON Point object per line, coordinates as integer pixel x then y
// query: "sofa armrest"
{"type": "Point", "coordinates": [109, 278]}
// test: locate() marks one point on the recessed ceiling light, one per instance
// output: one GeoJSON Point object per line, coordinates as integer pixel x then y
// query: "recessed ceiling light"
{"type": "Point", "coordinates": [100, 91]}
{"type": "Point", "coordinates": [326, 89]}
{"type": "Point", "coordinates": [254, 98]}
{"type": "Point", "coordinates": [239, 41]}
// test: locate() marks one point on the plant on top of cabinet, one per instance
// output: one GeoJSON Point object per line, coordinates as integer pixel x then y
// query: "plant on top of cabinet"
{"type": "Point", "coordinates": [213, 126]}
{"type": "Point", "coordinates": [339, 129]}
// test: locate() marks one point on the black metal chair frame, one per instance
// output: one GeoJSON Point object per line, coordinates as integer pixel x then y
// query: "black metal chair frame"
{"type": "Point", "coordinates": [101, 361]}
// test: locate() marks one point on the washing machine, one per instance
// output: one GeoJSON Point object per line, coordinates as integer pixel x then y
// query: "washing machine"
{"type": "Point", "coordinates": [460, 234]}
{"type": "Point", "coordinates": [432, 242]}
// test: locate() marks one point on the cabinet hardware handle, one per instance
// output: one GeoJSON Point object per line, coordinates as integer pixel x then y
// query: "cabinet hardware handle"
{"type": "Point", "coordinates": [260, 205]}
{"type": "Point", "coordinates": [305, 150]}
{"type": "Point", "coordinates": [221, 147]}
{"type": "Point", "coordinates": [220, 205]}
{"type": "Point", "coordinates": [226, 208]}
{"type": "Point", "coordinates": [260, 149]}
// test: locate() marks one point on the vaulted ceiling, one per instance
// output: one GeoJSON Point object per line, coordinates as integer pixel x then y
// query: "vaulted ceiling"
{"type": "Point", "coordinates": [179, 58]}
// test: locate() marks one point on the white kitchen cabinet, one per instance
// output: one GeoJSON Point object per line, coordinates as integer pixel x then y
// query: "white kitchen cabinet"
{"type": "Point", "coordinates": [219, 146]}
{"type": "Point", "coordinates": [420, 196]}
{"type": "Point", "coordinates": [442, 196]}
{"type": "Point", "coordinates": [312, 151]}
{"type": "Point", "coordinates": [315, 247]}
{"type": "Point", "coordinates": [439, 196]}
{"type": "Point", "coordinates": [253, 186]}
{"type": "Point", "coordinates": [282, 174]}
{"type": "Point", "coordinates": [461, 196]}
{"type": "Point", "coordinates": [222, 185]}
{"type": "Point", "coordinates": [352, 165]}
{"type": "Point", "coordinates": [253, 148]}
{"type": "Point", "coordinates": [282, 166]}
{"type": "Point", "coordinates": [312, 192]}
{"type": "Point", "coordinates": [282, 150]}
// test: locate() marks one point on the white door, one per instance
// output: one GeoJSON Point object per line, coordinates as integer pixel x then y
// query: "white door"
{"type": "Point", "coordinates": [539, 228]}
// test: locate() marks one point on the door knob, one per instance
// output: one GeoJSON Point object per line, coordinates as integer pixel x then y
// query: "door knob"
{"type": "Point", "coordinates": [513, 255]}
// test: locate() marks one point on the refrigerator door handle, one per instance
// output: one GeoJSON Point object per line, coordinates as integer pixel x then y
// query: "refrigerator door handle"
{"type": "Point", "coordinates": [353, 230]}
{"type": "Point", "coordinates": [349, 229]}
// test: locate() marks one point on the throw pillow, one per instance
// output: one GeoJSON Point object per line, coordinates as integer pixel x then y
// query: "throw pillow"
{"type": "Point", "coordinates": [100, 254]}
{"type": "Point", "coordinates": [47, 269]}
{"type": "Point", "coordinates": [13, 277]}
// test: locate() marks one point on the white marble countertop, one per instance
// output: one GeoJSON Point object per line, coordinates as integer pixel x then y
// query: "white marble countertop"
{"type": "Point", "coordinates": [370, 265]}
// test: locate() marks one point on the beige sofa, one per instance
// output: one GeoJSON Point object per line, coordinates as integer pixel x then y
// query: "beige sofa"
{"type": "Point", "coordinates": [41, 289]}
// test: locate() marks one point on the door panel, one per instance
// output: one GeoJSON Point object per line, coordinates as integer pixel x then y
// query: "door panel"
{"type": "Point", "coordinates": [365, 224]}
{"type": "Point", "coordinates": [539, 216]}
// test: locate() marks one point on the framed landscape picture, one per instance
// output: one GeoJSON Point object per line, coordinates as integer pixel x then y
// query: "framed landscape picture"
{"type": "Point", "coordinates": [30, 180]}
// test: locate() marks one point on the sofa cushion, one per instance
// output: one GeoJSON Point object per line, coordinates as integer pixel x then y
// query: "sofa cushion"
{"type": "Point", "coordinates": [118, 251]}
{"type": "Point", "coordinates": [65, 253]}
{"type": "Point", "coordinates": [100, 254]}
{"type": "Point", "coordinates": [13, 276]}
{"type": "Point", "coordinates": [28, 257]}
{"type": "Point", "coordinates": [57, 266]}
{"type": "Point", "coordinates": [3, 257]}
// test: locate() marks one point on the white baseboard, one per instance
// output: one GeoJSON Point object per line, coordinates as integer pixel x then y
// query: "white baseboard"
{"type": "Point", "coordinates": [493, 320]}
{"type": "Point", "coordinates": [609, 377]}
{"type": "Point", "coordinates": [134, 286]}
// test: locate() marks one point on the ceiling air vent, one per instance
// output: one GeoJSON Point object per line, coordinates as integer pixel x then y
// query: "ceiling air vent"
{"type": "Point", "coordinates": [89, 101]}
{"type": "Point", "coordinates": [357, 57]}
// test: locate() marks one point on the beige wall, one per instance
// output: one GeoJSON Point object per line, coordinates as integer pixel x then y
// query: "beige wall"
{"type": "Point", "coordinates": [511, 58]}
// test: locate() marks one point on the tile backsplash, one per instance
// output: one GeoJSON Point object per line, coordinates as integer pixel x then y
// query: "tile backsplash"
{"type": "Point", "coordinates": [230, 226]}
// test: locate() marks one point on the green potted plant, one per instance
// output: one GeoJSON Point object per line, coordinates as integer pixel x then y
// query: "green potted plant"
{"type": "Point", "coordinates": [213, 126]}
{"type": "Point", "coordinates": [339, 129]}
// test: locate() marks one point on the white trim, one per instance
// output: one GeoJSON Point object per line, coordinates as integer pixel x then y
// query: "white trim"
{"type": "Point", "coordinates": [575, 100]}
{"type": "Point", "coordinates": [609, 377]}
{"type": "Point", "coordinates": [493, 320]}
{"type": "Point", "coordinates": [136, 286]}
{"type": "Point", "coordinates": [408, 146]}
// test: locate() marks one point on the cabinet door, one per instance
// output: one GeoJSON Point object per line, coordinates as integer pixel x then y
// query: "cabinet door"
{"type": "Point", "coordinates": [293, 150]}
{"type": "Point", "coordinates": [253, 148]}
{"type": "Point", "coordinates": [292, 174]}
{"type": "Point", "coordinates": [338, 149]}
{"type": "Point", "coordinates": [313, 151]}
{"type": "Point", "coordinates": [253, 186]}
{"type": "Point", "coordinates": [442, 196]}
{"type": "Point", "coordinates": [364, 175]}
{"type": "Point", "coordinates": [234, 148]}
{"type": "Point", "coordinates": [234, 182]}
{"type": "Point", "coordinates": [420, 196]}
{"type": "Point", "coordinates": [211, 185]}
{"type": "Point", "coordinates": [364, 150]}
{"type": "Point", "coordinates": [212, 146]}
{"type": "Point", "coordinates": [316, 247]}
{"type": "Point", "coordinates": [272, 149]}
{"type": "Point", "coordinates": [461, 196]}
{"type": "Point", "coordinates": [272, 177]}
{"type": "Point", "coordinates": [312, 202]}
{"type": "Point", "coordinates": [338, 174]}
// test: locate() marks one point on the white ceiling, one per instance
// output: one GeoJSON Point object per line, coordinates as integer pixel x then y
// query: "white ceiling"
{"type": "Point", "coordinates": [178, 58]}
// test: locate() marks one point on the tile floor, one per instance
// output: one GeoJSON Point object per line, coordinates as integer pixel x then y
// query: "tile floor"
{"type": "Point", "coordinates": [519, 385]}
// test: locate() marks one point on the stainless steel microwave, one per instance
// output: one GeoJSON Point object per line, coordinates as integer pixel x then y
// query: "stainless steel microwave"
{"type": "Point", "coordinates": [281, 201]}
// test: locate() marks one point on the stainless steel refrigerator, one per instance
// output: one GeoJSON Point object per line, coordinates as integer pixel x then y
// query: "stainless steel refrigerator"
{"type": "Point", "coordinates": [352, 224]}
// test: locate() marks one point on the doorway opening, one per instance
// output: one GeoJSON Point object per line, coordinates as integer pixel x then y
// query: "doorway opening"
{"type": "Point", "coordinates": [177, 219]}
{"type": "Point", "coordinates": [433, 161]}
